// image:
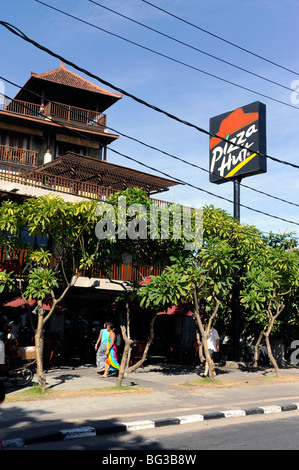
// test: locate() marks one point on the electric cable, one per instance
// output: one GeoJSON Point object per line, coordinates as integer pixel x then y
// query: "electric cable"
{"type": "Point", "coordinates": [171, 58]}
{"type": "Point", "coordinates": [167, 175]}
{"type": "Point", "coordinates": [199, 189]}
{"type": "Point", "coordinates": [188, 45]}
{"type": "Point", "coordinates": [63, 107]}
{"type": "Point", "coordinates": [221, 38]}
{"type": "Point", "coordinates": [16, 31]}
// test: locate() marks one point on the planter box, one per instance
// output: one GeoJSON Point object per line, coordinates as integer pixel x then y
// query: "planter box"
{"type": "Point", "coordinates": [27, 352]}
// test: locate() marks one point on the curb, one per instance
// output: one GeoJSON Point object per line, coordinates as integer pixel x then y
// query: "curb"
{"type": "Point", "coordinates": [113, 428]}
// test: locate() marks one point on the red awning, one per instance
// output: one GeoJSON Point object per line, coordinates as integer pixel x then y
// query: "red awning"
{"type": "Point", "coordinates": [19, 302]}
{"type": "Point", "coordinates": [180, 309]}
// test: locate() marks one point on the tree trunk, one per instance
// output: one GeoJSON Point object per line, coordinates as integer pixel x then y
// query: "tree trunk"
{"type": "Point", "coordinates": [256, 348]}
{"type": "Point", "coordinates": [199, 344]}
{"type": "Point", "coordinates": [149, 342]}
{"type": "Point", "coordinates": [204, 333]}
{"type": "Point", "coordinates": [271, 319]}
{"type": "Point", "coordinates": [125, 330]}
{"type": "Point", "coordinates": [39, 345]}
{"type": "Point", "coordinates": [271, 357]}
{"type": "Point", "coordinates": [124, 360]}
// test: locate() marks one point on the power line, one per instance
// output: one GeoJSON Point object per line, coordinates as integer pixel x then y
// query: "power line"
{"type": "Point", "coordinates": [188, 45]}
{"type": "Point", "coordinates": [165, 174]}
{"type": "Point", "coordinates": [20, 34]}
{"type": "Point", "coordinates": [200, 189]}
{"type": "Point", "coordinates": [60, 105]}
{"type": "Point", "coordinates": [221, 39]}
{"type": "Point", "coordinates": [170, 58]}
{"type": "Point", "coordinates": [17, 32]}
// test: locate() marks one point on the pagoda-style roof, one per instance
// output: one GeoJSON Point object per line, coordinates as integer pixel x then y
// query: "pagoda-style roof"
{"type": "Point", "coordinates": [109, 175]}
{"type": "Point", "coordinates": [65, 86]}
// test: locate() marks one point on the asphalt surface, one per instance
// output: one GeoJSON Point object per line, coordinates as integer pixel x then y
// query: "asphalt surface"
{"type": "Point", "coordinates": [162, 403]}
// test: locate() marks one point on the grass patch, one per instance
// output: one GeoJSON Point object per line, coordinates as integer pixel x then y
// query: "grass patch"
{"type": "Point", "coordinates": [34, 393]}
{"type": "Point", "coordinates": [222, 383]}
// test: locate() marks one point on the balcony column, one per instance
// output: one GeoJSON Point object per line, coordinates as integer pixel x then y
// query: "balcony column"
{"type": "Point", "coordinates": [47, 156]}
{"type": "Point", "coordinates": [42, 103]}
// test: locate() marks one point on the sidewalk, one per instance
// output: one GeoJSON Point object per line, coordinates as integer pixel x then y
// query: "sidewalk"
{"type": "Point", "coordinates": [162, 402]}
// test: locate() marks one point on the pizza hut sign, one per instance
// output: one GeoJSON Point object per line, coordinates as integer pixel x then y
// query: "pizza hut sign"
{"type": "Point", "coordinates": [244, 131]}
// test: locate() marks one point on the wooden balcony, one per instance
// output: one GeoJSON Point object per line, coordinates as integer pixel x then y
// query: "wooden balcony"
{"type": "Point", "coordinates": [17, 155]}
{"type": "Point", "coordinates": [124, 272]}
{"type": "Point", "coordinates": [71, 114]}
{"type": "Point", "coordinates": [20, 107]}
{"type": "Point", "coordinates": [31, 177]}
{"type": "Point", "coordinates": [166, 204]}
{"type": "Point", "coordinates": [18, 261]}
{"type": "Point", "coordinates": [57, 111]}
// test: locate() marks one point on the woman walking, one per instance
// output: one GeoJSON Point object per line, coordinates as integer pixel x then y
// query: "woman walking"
{"type": "Point", "coordinates": [107, 352]}
{"type": "Point", "coordinates": [101, 350]}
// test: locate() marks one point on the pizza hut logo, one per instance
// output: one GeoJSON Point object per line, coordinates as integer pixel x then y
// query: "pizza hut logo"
{"type": "Point", "coordinates": [241, 127]}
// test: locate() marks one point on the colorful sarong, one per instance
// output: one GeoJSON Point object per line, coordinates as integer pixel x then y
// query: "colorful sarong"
{"type": "Point", "coordinates": [101, 352]}
{"type": "Point", "coordinates": [112, 356]}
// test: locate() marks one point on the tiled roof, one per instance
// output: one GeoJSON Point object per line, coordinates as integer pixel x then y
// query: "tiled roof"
{"type": "Point", "coordinates": [64, 76]}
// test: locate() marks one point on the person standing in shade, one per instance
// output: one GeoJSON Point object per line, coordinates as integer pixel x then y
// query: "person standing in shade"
{"type": "Point", "coordinates": [213, 347]}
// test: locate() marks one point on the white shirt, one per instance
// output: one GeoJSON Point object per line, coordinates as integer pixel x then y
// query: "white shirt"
{"type": "Point", "coordinates": [211, 340]}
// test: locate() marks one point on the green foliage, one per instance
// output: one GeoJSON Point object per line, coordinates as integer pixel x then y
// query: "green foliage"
{"type": "Point", "coordinates": [6, 281]}
{"type": "Point", "coordinates": [218, 259]}
{"type": "Point", "coordinates": [40, 257]}
{"type": "Point", "coordinates": [273, 276]}
{"type": "Point", "coordinates": [173, 286]}
{"type": "Point", "coordinates": [41, 283]}
{"type": "Point", "coordinates": [158, 244]}
{"type": "Point", "coordinates": [10, 217]}
{"type": "Point", "coordinates": [50, 215]}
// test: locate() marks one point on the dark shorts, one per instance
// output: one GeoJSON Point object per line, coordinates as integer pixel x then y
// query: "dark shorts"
{"type": "Point", "coordinates": [211, 352]}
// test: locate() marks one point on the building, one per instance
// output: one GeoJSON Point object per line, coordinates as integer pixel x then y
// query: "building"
{"type": "Point", "coordinates": [54, 137]}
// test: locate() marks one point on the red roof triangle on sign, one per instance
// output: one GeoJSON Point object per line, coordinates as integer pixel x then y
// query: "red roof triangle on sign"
{"type": "Point", "coordinates": [232, 123]}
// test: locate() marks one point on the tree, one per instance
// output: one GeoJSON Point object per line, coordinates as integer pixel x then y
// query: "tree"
{"type": "Point", "coordinates": [226, 254]}
{"type": "Point", "coordinates": [70, 228]}
{"type": "Point", "coordinates": [245, 241]}
{"type": "Point", "coordinates": [268, 284]}
{"type": "Point", "coordinates": [208, 277]}
{"type": "Point", "coordinates": [136, 225]}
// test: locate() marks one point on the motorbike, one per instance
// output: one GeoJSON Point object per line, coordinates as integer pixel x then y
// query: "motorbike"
{"type": "Point", "coordinates": [20, 376]}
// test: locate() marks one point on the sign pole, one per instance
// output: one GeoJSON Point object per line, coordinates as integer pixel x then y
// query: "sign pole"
{"type": "Point", "coordinates": [237, 182]}
{"type": "Point", "coordinates": [236, 306]}
{"type": "Point", "coordinates": [236, 148]}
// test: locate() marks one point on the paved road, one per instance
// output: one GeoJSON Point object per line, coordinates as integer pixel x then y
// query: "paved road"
{"type": "Point", "coordinates": [163, 398]}
{"type": "Point", "coordinates": [255, 433]}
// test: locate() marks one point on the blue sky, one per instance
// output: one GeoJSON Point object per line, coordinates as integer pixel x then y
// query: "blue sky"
{"type": "Point", "coordinates": [267, 27]}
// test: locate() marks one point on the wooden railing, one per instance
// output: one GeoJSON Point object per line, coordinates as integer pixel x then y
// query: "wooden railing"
{"type": "Point", "coordinates": [31, 177]}
{"type": "Point", "coordinates": [124, 272]}
{"type": "Point", "coordinates": [85, 117]}
{"type": "Point", "coordinates": [74, 114]}
{"type": "Point", "coordinates": [17, 260]}
{"type": "Point", "coordinates": [165, 204]}
{"type": "Point", "coordinates": [17, 155]}
{"type": "Point", "coordinates": [20, 107]}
